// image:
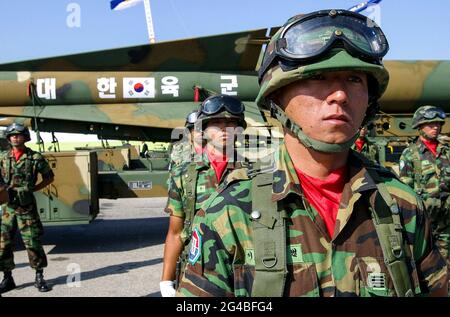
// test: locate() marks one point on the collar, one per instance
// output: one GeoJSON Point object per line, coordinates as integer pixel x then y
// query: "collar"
{"type": "Point", "coordinates": [25, 153]}
{"type": "Point", "coordinates": [422, 147]}
{"type": "Point", "coordinates": [287, 182]}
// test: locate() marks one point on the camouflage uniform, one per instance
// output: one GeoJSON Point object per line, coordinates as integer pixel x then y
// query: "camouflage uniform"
{"type": "Point", "coordinates": [181, 152]}
{"type": "Point", "coordinates": [350, 263]}
{"type": "Point", "coordinates": [206, 184]}
{"type": "Point", "coordinates": [429, 176]}
{"type": "Point", "coordinates": [369, 150]}
{"type": "Point", "coordinates": [21, 211]}
{"type": "Point", "coordinates": [178, 201]}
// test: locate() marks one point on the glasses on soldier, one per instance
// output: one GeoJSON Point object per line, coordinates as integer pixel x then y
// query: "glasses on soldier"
{"type": "Point", "coordinates": [216, 104]}
{"type": "Point", "coordinates": [431, 114]}
{"type": "Point", "coordinates": [314, 34]}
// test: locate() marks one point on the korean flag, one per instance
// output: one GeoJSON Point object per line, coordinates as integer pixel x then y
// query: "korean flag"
{"type": "Point", "coordinates": [138, 87]}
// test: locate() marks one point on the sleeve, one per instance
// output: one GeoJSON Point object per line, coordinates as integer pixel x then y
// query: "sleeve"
{"type": "Point", "coordinates": [174, 205]}
{"type": "Point", "coordinates": [406, 169]}
{"type": "Point", "coordinates": [208, 272]}
{"type": "Point", "coordinates": [431, 266]}
{"type": "Point", "coordinates": [42, 166]}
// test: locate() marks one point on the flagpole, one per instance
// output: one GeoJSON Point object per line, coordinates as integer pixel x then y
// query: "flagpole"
{"type": "Point", "coordinates": [148, 18]}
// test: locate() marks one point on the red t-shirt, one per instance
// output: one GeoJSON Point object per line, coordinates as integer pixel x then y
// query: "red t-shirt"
{"type": "Point", "coordinates": [431, 145]}
{"type": "Point", "coordinates": [359, 144]}
{"type": "Point", "coordinates": [218, 162]}
{"type": "Point", "coordinates": [325, 195]}
{"type": "Point", "coordinates": [18, 153]}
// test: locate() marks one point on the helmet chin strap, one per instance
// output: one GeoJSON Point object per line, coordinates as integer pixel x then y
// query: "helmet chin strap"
{"type": "Point", "coordinates": [425, 136]}
{"type": "Point", "coordinates": [307, 141]}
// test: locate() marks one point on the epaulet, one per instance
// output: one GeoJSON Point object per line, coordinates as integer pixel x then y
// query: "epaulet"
{"type": "Point", "coordinates": [374, 166]}
{"type": "Point", "coordinates": [382, 171]}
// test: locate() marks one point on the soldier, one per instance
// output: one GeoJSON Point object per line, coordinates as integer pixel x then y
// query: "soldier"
{"type": "Point", "coordinates": [425, 167]}
{"type": "Point", "coordinates": [326, 221]}
{"type": "Point", "coordinates": [184, 150]}
{"type": "Point", "coordinates": [19, 168]}
{"type": "Point", "coordinates": [364, 146]}
{"type": "Point", "coordinates": [190, 184]}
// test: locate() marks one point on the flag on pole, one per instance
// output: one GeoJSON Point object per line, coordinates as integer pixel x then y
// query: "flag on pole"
{"type": "Point", "coordinates": [372, 10]}
{"type": "Point", "coordinates": [364, 5]}
{"type": "Point", "coordinates": [123, 4]}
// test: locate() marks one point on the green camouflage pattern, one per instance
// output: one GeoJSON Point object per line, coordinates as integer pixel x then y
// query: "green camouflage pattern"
{"type": "Point", "coordinates": [369, 150]}
{"type": "Point", "coordinates": [318, 265]}
{"type": "Point", "coordinates": [22, 176]}
{"type": "Point", "coordinates": [182, 152]}
{"type": "Point", "coordinates": [419, 116]}
{"type": "Point", "coordinates": [30, 228]}
{"type": "Point", "coordinates": [207, 183]}
{"type": "Point", "coordinates": [429, 176]}
{"type": "Point", "coordinates": [337, 60]}
{"type": "Point", "coordinates": [224, 63]}
{"type": "Point", "coordinates": [432, 181]}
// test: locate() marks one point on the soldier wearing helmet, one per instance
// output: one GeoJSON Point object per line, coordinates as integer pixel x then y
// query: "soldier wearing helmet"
{"type": "Point", "coordinates": [325, 221]}
{"type": "Point", "coordinates": [184, 150]}
{"type": "Point", "coordinates": [425, 167]}
{"type": "Point", "coordinates": [366, 147]}
{"type": "Point", "coordinates": [191, 183]}
{"type": "Point", "coordinates": [19, 168]}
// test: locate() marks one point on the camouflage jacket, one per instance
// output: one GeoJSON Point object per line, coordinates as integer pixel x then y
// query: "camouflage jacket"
{"type": "Point", "coordinates": [369, 150]}
{"type": "Point", "coordinates": [182, 152]}
{"type": "Point", "coordinates": [221, 262]}
{"type": "Point", "coordinates": [429, 176]}
{"type": "Point", "coordinates": [206, 184]}
{"type": "Point", "coordinates": [24, 172]}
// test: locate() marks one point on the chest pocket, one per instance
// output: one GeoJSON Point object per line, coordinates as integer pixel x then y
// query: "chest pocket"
{"type": "Point", "coordinates": [301, 281]}
{"type": "Point", "coordinates": [428, 171]}
{"type": "Point", "coordinates": [374, 278]}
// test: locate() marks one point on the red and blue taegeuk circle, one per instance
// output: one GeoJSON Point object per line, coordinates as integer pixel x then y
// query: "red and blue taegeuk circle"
{"type": "Point", "coordinates": [138, 87]}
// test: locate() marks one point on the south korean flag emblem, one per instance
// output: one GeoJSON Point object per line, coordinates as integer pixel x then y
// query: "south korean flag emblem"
{"type": "Point", "coordinates": [195, 250]}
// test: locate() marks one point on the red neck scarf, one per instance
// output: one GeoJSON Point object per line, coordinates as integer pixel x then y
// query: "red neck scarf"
{"type": "Point", "coordinates": [431, 145]}
{"type": "Point", "coordinates": [325, 195]}
{"type": "Point", "coordinates": [218, 162]}
{"type": "Point", "coordinates": [359, 144]}
{"type": "Point", "coordinates": [17, 153]}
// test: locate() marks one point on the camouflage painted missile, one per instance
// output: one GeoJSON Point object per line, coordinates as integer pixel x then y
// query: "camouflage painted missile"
{"type": "Point", "coordinates": [154, 86]}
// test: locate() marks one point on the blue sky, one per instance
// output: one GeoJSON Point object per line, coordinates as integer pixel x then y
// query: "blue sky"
{"type": "Point", "coordinates": [34, 29]}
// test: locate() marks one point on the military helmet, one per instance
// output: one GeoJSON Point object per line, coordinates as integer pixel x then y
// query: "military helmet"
{"type": "Point", "coordinates": [323, 41]}
{"type": "Point", "coordinates": [222, 107]}
{"type": "Point", "coordinates": [304, 47]}
{"type": "Point", "coordinates": [427, 114]}
{"type": "Point", "coordinates": [17, 128]}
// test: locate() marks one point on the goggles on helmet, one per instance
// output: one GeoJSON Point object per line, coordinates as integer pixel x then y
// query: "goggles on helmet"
{"type": "Point", "coordinates": [314, 34]}
{"type": "Point", "coordinates": [216, 104]}
{"type": "Point", "coordinates": [433, 113]}
{"type": "Point", "coordinates": [15, 128]}
{"type": "Point", "coordinates": [192, 117]}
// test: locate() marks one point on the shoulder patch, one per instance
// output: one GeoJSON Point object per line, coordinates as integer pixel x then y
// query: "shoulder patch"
{"type": "Point", "coordinates": [195, 250]}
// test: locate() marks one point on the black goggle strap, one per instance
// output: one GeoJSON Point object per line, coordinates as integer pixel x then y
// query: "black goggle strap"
{"type": "Point", "coordinates": [289, 124]}
{"type": "Point", "coordinates": [280, 43]}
